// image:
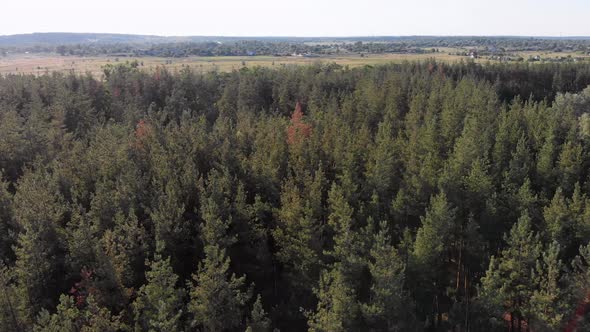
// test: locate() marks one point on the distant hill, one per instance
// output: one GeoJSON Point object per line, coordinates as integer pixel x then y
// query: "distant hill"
{"type": "Point", "coordinates": [55, 38]}
{"type": "Point", "coordinates": [66, 38]}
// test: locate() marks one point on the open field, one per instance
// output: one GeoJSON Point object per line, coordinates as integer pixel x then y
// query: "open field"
{"type": "Point", "coordinates": [40, 64]}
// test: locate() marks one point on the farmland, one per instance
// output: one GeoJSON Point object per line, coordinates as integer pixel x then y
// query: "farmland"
{"type": "Point", "coordinates": [41, 63]}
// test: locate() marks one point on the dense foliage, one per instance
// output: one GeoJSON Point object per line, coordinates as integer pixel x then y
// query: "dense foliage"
{"type": "Point", "coordinates": [138, 45]}
{"type": "Point", "coordinates": [420, 196]}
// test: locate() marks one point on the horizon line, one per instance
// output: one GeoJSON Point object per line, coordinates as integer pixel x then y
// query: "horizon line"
{"type": "Point", "coordinates": [300, 36]}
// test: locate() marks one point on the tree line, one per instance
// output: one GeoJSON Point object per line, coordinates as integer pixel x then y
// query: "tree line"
{"type": "Point", "coordinates": [136, 45]}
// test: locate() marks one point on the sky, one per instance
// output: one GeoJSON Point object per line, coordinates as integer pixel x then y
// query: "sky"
{"type": "Point", "coordinates": [299, 17]}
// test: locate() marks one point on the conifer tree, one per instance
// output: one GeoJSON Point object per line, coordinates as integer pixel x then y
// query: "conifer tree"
{"type": "Point", "coordinates": [558, 219]}
{"type": "Point", "coordinates": [124, 249]}
{"type": "Point", "coordinates": [67, 317]}
{"type": "Point", "coordinates": [389, 307]}
{"type": "Point", "coordinates": [547, 305]}
{"type": "Point", "coordinates": [6, 222]}
{"type": "Point", "coordinates": [508, 284]}
{"type": "Point", "coordinates": [170, 227]}
{"type": "Point", "coordinates": [569, 166]}
{"type": "Point", "coordinates": [9, 319]}
{"type": "Point", "coordinates": [381, 164]}
{"type": "Point", "coordinates": [158, 306]}
{"type": "Point", "coordinates": [432, 243]}
{"type": "Point", "coordinates": [39, 254]}
{"type": "Point", "coordinates": [337, 308]}
{"type": "Point", "coordinates": [99, 319]}
{"type": "Point", "coordinates": [297, 236]}
{"type": "Point", "coordinates": [258, 321]}
{"type": "Point", "coordinates": [70, 318]}
{"type": "Point", "coordinates": [217, 297]}
{"type": "Point", "coordinates": [434, 234]}
{"type": "Point", "coordinates": [579, 283]}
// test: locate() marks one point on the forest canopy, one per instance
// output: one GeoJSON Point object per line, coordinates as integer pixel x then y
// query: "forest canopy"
{"type": "Point", "coordinates": [403, 197]}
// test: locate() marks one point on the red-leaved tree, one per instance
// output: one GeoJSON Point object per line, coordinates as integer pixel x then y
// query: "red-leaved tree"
{"type": "Point", "coordinates": [298, 130]}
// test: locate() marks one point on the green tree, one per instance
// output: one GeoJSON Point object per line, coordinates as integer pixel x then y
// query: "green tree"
{"type": "Point", "coordinates": [9, 320]}
{"type": "Point", "coordinates": [39, 267]}
{"type": "Point", "coordinates": [124, 249]}
{"type": "Point", "coordinates": [434, 235]}
{"type": "Point", "coordinates": [297, 237]}
{"type": "Point", "coordinates": [569, 165]}
{"type": "Point", "coordinates": [508, 284]}
{"type": "Point", "coordinates": [67, 317]}
{"type": "Point", "coordinates": [547, 305]}
{"type": "Point", "coordinates": [433, 242]}
{"type": "Point", "coordinates": [158, 306]}
{"type": "Point", "coordinates": [258, 321]}
{"type": "Point", "coordinates": [337, 308]}
{"type": "Point", "coordinates": [6, 222]}
{"type": "Point", "coordinates": [217, 298]}
{"type": "Point", "coordinates": [389, 307]}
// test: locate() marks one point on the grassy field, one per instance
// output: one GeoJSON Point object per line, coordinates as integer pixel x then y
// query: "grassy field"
{"type": "Point", "coordinates": [40, 64]}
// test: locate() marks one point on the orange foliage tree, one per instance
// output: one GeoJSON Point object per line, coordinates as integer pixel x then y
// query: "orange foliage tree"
{"type": "Point", "coordinates": [298, 130]}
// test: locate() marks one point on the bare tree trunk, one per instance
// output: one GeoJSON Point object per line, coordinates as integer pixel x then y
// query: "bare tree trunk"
{"type": "Point", "coordinates": [459, 263]}
{"type": "Point", "coordinates": [466, 291]}
{"type": "Point", "coordinates": [14, 320]}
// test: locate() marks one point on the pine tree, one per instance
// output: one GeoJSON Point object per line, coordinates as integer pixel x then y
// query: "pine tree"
{"type": "Point", "coordinates": [434, 234]}
{"type": "Point", "coordinates": [39, 254]}
{"type": "Point", "coordinates": [381, 164]}
{"type": "Point", "coordinates": [388, 307]}
{"type": "Point", "coordinates": [432, 243]}
{"type": "Point", "coordinates": [9, 320]}
{"type": "Point", "coordinates": [67, 317]}
{"type": "Point", "coordinates": [70, 318]}
{"type": "Point", "coordinates": [570, 165]}
{"type": "Point", "coordinates": [547, 301]}
{"type": "Point", "coordinates": [158, 306]}
{"type": "Point", "coordinates": [297, 237]}
{"type": "Point", "coordinates": [6, 222]}
{"type": "Point", "coordinates": [579, 283]}
{"type": "Point", "coordinates": [124, 248]}
{"type": "Point", "coordinates": [170, 228]}
{"type": "Point", "coordinates": [346, 243]}
{"type": "Point", "coordinates": [99, 319]}
{"type": "Point", "coordinates": [520, 164]}
{"type": "Point", "coordinates": [258, 321]}
{"type": "Point", "coordinates": [217, 298]}
{"type": "Point", "coordinates": [508, 284]}
{"type": "Point", "coordinates": [298, 130]}
{"type": "Point", "coordinates": [337, 308]}
{"type": "Point", "coordinates": [557, 217]}
{"type": "Point", "coordinates": [546, 171]}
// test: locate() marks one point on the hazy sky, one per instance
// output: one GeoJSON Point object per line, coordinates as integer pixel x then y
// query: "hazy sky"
{"type": "Point", "coordinates": [299, 17]}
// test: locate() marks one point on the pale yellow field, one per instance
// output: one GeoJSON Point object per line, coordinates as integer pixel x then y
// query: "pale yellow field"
{"type": "Point", "coordinates": [40, 64]}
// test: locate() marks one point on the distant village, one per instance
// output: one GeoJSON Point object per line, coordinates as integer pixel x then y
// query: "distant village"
{"type": "Point", "coordinates": [500, 54]}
